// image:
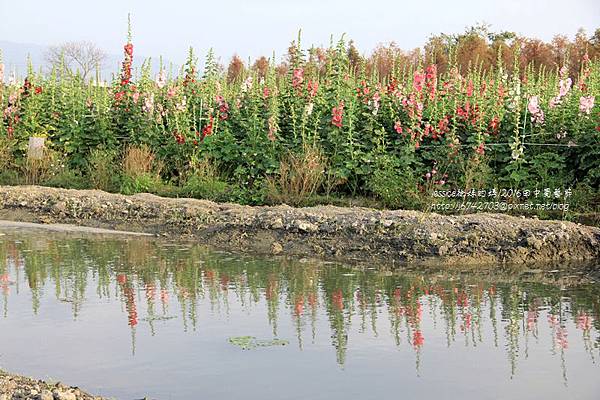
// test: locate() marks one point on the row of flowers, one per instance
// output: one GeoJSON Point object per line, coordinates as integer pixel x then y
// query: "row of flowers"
{"type": "Point", "coordinates": [418, 118]}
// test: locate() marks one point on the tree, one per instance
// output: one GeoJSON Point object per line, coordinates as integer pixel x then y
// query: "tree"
{"type": "Point", "coordinates": [76, 57]}
{"type": "Point", "coordinates": [236, 69]}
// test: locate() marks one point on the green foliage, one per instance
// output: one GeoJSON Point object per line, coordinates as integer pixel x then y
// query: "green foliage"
{"type": "Point", "coordinates": [394, 128]}
{"type": "Point", "coordinates": [142, 183]}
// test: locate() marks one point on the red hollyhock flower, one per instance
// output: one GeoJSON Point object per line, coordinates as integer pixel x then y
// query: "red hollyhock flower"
{"type": "Point", "coordinates": [337, 114]}
{"type": "Point", "coordinates": [119, 95]}
{"type": "Point", "coordinates": [129, 49]}
{"type": "Point", "coordinates": [494, 125]}
{"type": "Point", "coordinates": [38, 90]}
{"type": "Point", "coordinates": [208, 129]}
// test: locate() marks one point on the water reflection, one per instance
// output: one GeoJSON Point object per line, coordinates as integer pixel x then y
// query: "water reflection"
{"type": "Point", "coordinates": [157, 283]}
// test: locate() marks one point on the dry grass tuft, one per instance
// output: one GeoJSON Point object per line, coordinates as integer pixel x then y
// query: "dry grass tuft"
{"type": "Point", "coordinates": [138, 161]}
{"type": "Point", "coordinates": [300, 176]}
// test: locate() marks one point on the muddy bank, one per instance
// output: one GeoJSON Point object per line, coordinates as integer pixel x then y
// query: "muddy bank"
{"type": "Point", "coordinates": [13, 387]}
{"type": "Point", "coordinates": [327, 232]}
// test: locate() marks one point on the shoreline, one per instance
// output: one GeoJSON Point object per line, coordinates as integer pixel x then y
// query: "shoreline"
{"type": "Point", "coordinates": [323, 232]}
{"type": "Point", "coordinates": [14, 386]}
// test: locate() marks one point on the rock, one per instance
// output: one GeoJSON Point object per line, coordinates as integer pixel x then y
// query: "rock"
{"type": "Point", "coordinates": [46, 395]}
{"type": "Point", "coordinates": [306, 226]}
{"type": "Point", "coordinates": [443, 250]}
{"type": "Point", "coordinates": [534, 242]}
{"type": "Point", "coordinates": [63, 395]}
{"type": "Point", "coordinates": [276, 223]}
{"type": "Point", "coordinates": [276, 248]}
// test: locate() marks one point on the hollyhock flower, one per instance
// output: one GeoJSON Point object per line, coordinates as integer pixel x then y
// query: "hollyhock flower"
{"type": "Point", "coordinates": [223, 107]}
{"type": "Point", "coordinates": [272, 128]}
{"type": "Point", "coordinates": [480, 149]}
{"type": "Point", "coordinates": [208, 129]}
{"type": "Point", "coordinates": [564, 85]}
{"type": "Point", "coordinates": [181, 106]}
{"type": "Point", "coordinates": [398, 127]}
{"type": "Point", "coordinates": [247, 85]}
{"type": "Point", "coordinates": [312, 88]}
{"type": "Point", "coordinates": [337, 114]}
{"type": "Point", "coordinates": [375, 102]}
{"type": "Point", "coordinates": [161, 79]}
{"type": "Point", "coordinates": [494, 125]}
{"type": "Point", "coordinates": [171, 92]}
{"type": "Point", "coordinates": [129, 49]}
{"type": "Point", "coordinates": [297, 77]}
{"type": "Point", "coordinates": [38, 90]}
{"type": "Point", "coordinates": [308, 109]}
{"type": "Point", "coordinates": [266, 92]}
{"type": "Point", "coordinates": [135, 97]}
{"type": "Point", "coordinates": [470, 89]}
{"type": "Point", "coordinates": [119, 96]}
{"type": "Point", "coordinates": [537, 115]}
{"type": "Point", "coordinates": [148, 106]}
{"type": "Point", "coordinates": [418, 80]}
{"type": "Point", "coordinates": [586, 103]}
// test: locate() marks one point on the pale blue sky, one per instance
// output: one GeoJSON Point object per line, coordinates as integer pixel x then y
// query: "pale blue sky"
{"type": "Point", "coordinates": [259, 27]}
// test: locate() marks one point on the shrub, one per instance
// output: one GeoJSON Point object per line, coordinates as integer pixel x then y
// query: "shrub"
{"type": "Point", "coordinates": [396, 188]}
{"type": "Point", "coordinates": [204, 183]}
{"type": "Point", "coordinates": [101, 171]}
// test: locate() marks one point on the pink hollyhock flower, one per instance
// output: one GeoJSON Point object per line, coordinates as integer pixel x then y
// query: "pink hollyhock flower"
{"type": "Point", "coordinates": [564, 85]}
{"type": "Point", "coordinates": [586, 103]}
{"type": "Point", "coordinates": [161, 79]}
{"type": "Point", "coordinates": [418, 80]}
{"type": "Point", "coordinates": [297, 77]}
{"type": "Point", "coordinates": [136, 97]}
{"type": "Point", "coordinates": [470, 89]}
{"type": "Point", "coordinates": [398, 127]}
{"type": "Point", "coordinates": [313, 86]}
{"type": "Point", "coordinates": [534, 105]}
{"type": "Point", "coordinates": [172, 91]}
{"type": "Point", "coordinates": [537, 115]}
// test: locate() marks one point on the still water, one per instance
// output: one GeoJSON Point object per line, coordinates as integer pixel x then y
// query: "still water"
{"type": "Point", "coordinates": [134, 317]}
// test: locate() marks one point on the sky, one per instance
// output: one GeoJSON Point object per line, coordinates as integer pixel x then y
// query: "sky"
{"type": "Point", "coordinates": [260, 27]}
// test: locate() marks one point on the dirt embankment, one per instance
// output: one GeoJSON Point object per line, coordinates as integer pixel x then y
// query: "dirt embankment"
{"type": "Point", "coordinates": [326, 232]}
{"type": "Point", "coordinates": [14, 387]}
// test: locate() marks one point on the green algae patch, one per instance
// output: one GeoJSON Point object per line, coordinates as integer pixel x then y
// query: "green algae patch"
{"type": "Point", "coordinates": [251, 342]}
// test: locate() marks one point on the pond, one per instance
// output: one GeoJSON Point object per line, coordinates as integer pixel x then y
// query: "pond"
{"type": "Point", "coordinates": [128, 317]}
